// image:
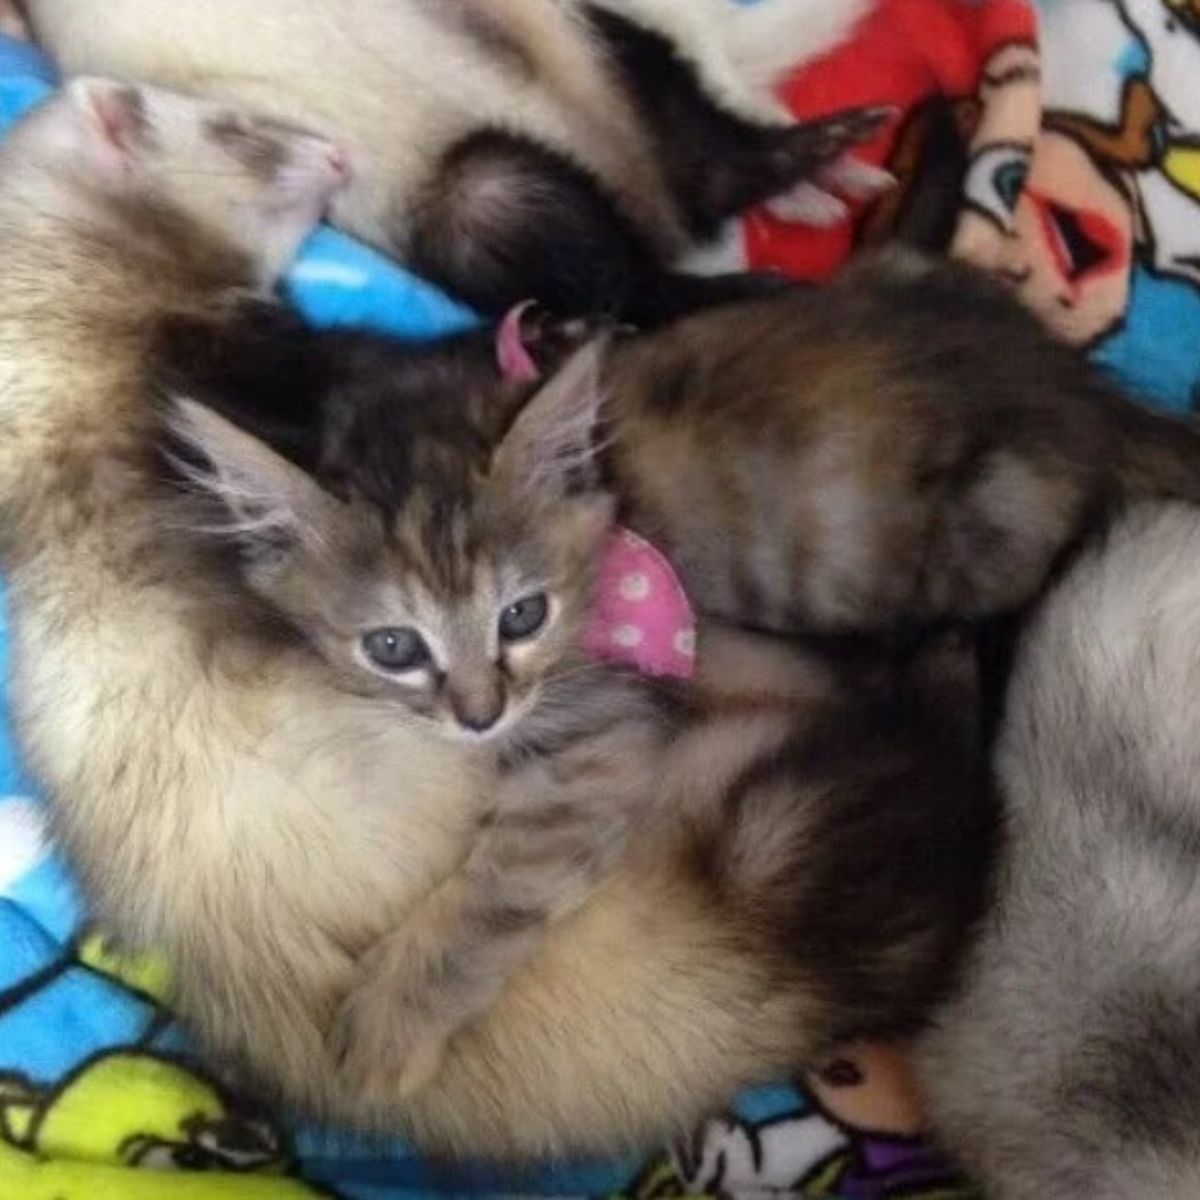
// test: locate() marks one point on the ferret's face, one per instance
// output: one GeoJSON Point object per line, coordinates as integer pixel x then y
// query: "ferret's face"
{"type": "Point", "coordinates": [258, 184]}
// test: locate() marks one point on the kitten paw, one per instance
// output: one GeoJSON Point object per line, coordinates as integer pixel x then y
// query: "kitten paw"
{"type": "Point", "coordinates": [386, 1047]}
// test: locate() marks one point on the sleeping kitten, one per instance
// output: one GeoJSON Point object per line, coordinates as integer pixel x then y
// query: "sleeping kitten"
{"type": "Point", "coordinates": [570, 150]}
{"type": "Point", "coordinates": [1068, 1064]}
{"type": "Point", "coordinates": [439, 557]}
{"type": "Point", "coordinates": [449, 573]}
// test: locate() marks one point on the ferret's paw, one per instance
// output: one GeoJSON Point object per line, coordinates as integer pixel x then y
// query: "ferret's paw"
{"type": "Point", "coordinates": [819, 204]}
{"type": "Point", "coordinates": [830, 137]}
{"type": "Point", "coordinates": [856, 179]}
{"type": "Point", "coordinates": [808, 204]}
{"type": "Point", "coordinates": [815, 165]}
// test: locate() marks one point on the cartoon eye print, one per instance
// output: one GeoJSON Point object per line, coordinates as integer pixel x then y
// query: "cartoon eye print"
{"type": "Point", "coordinates": [995, 180]}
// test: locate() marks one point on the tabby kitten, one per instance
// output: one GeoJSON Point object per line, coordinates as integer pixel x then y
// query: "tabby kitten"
{"type": "Point", "coordinates": [451, 574]}
{"type": "Point", "coordinates": [440, 556]}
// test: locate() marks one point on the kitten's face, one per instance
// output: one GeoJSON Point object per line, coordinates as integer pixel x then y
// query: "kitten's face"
{"type": "Point", "coordinates": [461, 617]}
{"type": "Point", "coordinates": [458, 590]}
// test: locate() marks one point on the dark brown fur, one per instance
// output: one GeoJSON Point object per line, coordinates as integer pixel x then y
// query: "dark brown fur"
{"type": "Point", "coordinates": [859, 845]}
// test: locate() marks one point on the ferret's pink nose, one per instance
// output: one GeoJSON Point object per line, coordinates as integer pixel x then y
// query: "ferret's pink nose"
{"type": "Point", "coordinates": [325, 164]}
{"type": "Point", "coordinates": [338, 162]}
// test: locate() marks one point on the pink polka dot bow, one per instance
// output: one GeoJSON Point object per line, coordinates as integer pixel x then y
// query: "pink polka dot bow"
{"type": "Point", "coordinates": [640, 612]}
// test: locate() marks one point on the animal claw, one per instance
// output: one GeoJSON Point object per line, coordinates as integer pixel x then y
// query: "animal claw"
{"type": "Point", "coordinates": [857, 179]}
{"type": "Point", "coordinates": [807, 204]}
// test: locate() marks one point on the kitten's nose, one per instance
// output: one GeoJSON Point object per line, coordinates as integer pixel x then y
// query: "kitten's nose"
{"type": "Point", "coordinates": [478, 724]}
{"type": "Point", "coordinates": [477, 709]}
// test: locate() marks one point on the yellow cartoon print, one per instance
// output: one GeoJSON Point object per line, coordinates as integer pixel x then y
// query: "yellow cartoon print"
{"type": "Point", "coordinates": [123, 1119]}
{"type": "Point", "coordinates": [145, 973]}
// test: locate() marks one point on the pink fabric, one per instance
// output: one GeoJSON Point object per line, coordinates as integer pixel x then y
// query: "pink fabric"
{"type": "Point", "coordinates": [641, 615]}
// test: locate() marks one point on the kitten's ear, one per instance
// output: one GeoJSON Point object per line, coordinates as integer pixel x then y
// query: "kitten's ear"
{"type": "Point", "coordinates": [268, 500]}
{"type": "Point", "coordinates": [113, 121]}
{"type": "Point", "coordinates": [532, 343]}
{"type": "Point", "coordinates": [552, 443]}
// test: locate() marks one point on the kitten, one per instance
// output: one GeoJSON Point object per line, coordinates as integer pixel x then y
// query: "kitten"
{"type": "Point", "coordinates": [1068, 1063]}
{"type": "Point", "coordinates": [446, 568]}
{"type": "Point", "coordinates": [567, 150]}
{"type": "Point", "coordinates": [458, 518]}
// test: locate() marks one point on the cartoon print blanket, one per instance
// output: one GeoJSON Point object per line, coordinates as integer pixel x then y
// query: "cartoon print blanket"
{"type": "Point", "coordinates": [1067, 159]}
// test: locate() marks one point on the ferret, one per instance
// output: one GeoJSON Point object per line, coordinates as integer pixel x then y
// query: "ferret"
{"type": "Point", "coordinates": [224, 800]}
{"type": "Point", "coordinates": [1068, 1063]}
{"type": "Point", "coordinates": [566, 150]}
{"type": "Point", "coordinates": [904, 447]}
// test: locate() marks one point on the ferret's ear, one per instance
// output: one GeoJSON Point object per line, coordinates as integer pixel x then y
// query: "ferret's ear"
{"type": "Point", "coordinates": [113, 120]}
{"type": "Point", "coordinates": [261, 500]}
{"type": "Point", "coordinates": [550, 448]}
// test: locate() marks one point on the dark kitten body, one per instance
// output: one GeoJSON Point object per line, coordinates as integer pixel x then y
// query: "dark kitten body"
{"type": "Point", "coordinates": [902, 447]}
{"type": "Point", "coordinates": [752, 789]}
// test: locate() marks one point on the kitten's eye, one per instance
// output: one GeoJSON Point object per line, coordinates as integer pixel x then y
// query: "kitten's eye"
{"type": "Point", "coordinates": [396, 649]}
{"type": "Point", "coordinates": [525, 618]}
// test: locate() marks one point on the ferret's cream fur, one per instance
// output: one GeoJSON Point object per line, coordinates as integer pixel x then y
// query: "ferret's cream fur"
{"type": "Point", "coordinates": [225, 805]}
